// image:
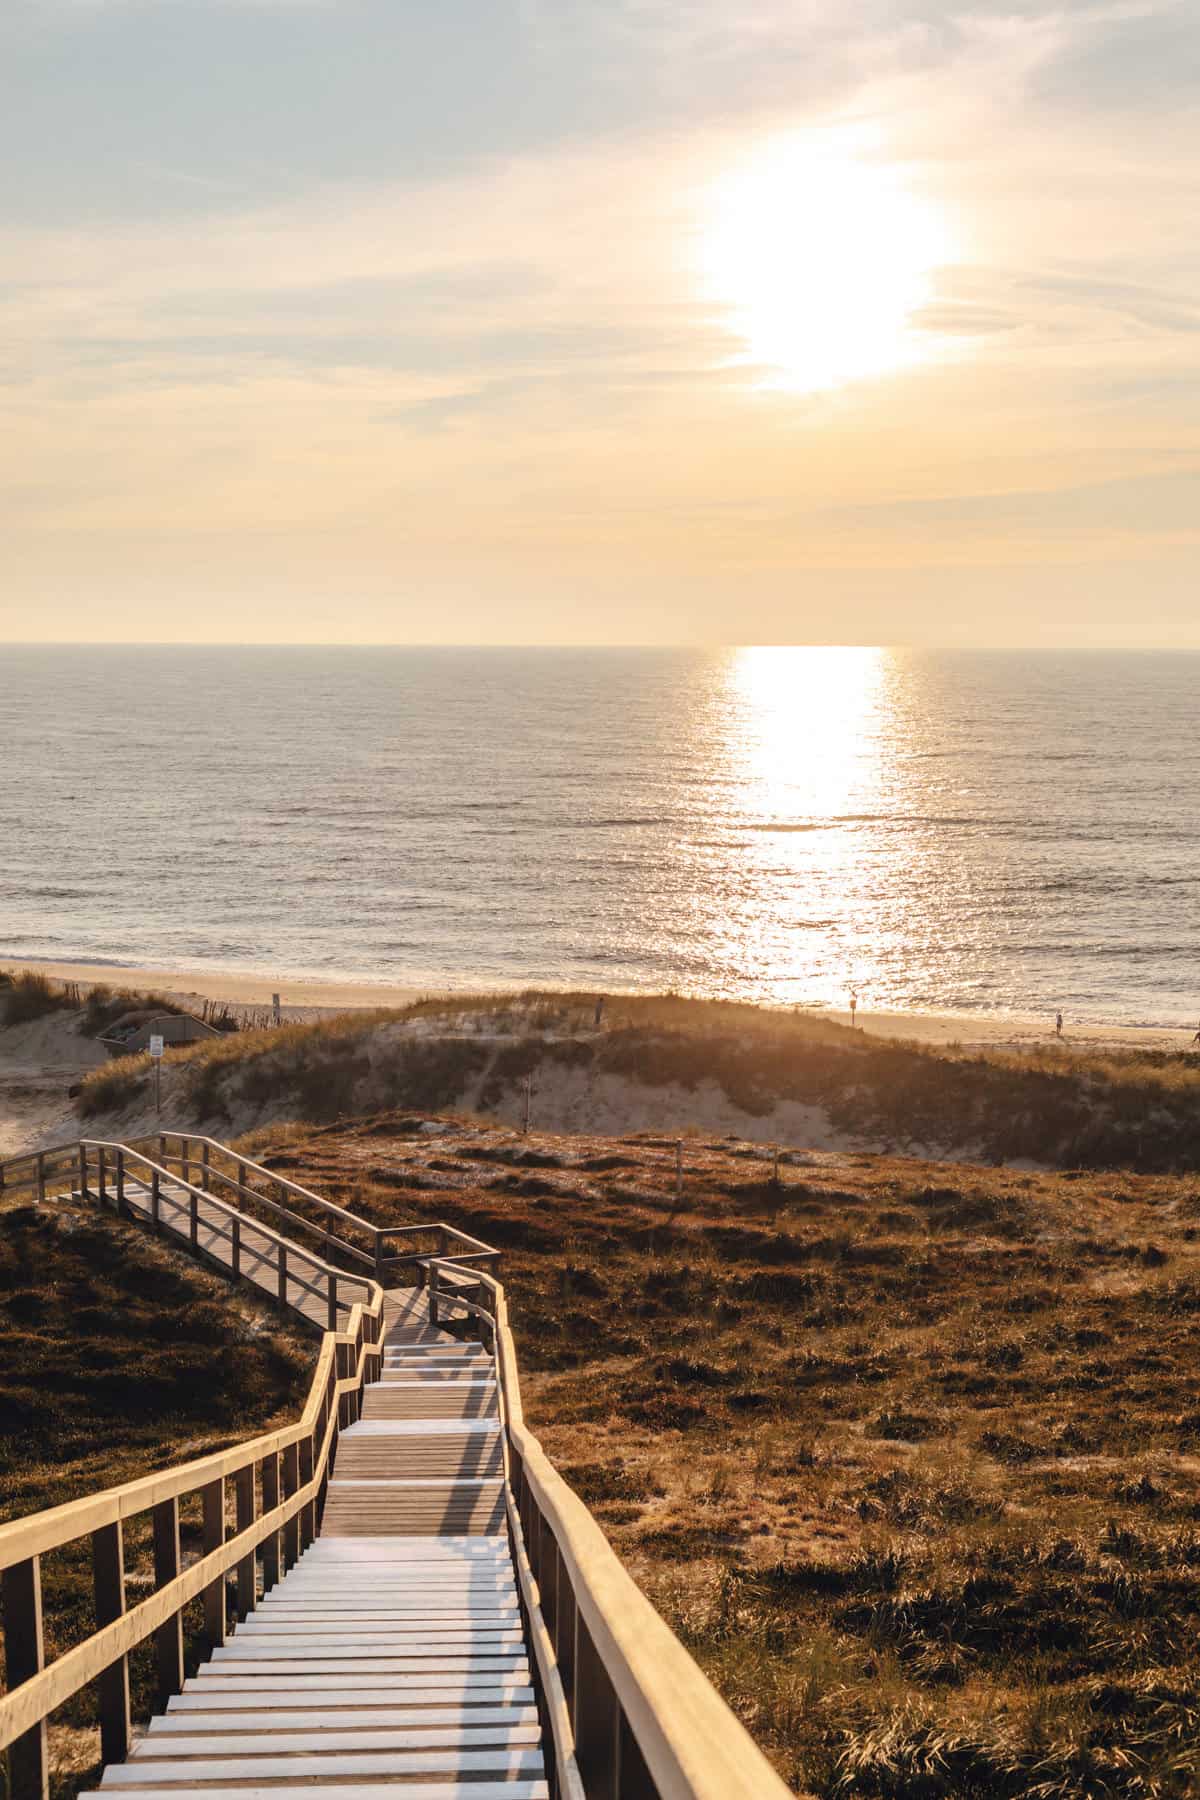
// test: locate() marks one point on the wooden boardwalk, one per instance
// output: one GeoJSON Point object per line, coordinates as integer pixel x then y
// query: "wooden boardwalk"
{"type": "Point", "coordinates": [394, 1650]}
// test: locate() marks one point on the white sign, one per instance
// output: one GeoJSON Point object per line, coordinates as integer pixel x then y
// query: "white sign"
{"type": "Point", "coordinates": [156, 1046]}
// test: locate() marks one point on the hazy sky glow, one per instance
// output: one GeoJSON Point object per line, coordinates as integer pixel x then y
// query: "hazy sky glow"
{"type": "Point", "coordinates": [600, 320]}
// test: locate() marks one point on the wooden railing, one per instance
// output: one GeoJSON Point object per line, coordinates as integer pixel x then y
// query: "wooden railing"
{"type": "Point", "coordinates": [627, 1714]}
{"type": "Point", "coordinates": [627, 1710]}
{"type": "Point", "coordinates": [360, 1241]}
{"type": "Point", "coordinates": [278, 1486]}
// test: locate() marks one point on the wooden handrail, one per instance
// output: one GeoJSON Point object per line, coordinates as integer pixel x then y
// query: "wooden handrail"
{"type": "Point", "coordinates": [644, 1718]}
{"type": "Point", "coordinates": [347, 1359]}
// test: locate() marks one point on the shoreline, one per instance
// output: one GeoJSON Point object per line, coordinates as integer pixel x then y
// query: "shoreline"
{"type": "Point", "coordinates": [313, 997]}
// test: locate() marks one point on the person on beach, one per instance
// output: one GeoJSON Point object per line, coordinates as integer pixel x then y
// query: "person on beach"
{"type": "Point", "coordinates": [853, 1007]}
{"type": "Point", "coordinates": [1058, 1025]}
{"type": "Point", "coordinates": [599, 1012]}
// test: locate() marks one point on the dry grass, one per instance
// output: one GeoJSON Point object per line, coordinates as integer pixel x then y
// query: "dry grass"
{"type": "Point", "coordinates": [27, 996]}
{"type": "Point", "coordinates": [907, 1455]}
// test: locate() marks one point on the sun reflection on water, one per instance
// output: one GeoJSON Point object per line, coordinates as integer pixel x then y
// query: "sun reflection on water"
{"type": "Point", "coordinates": [804, 739]}
{"type": "Point", "coordinates": [806, 716]}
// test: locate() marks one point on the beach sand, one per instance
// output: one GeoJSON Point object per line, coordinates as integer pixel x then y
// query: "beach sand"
{"type": "Point", "coordinates": [309, 999]}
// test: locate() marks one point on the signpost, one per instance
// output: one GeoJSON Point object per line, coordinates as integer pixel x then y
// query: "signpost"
{"type": "Point", "coordinates": [156, 1052]}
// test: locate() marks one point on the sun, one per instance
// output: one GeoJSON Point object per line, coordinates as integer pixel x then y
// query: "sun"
{"type": "Point", "coordinates": [821, 255]}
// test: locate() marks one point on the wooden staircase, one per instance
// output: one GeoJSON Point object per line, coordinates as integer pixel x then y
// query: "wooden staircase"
{"type": "Point", "coordinates": [394, 1652]}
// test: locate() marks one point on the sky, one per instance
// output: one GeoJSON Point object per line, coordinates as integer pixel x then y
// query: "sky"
{"type": "Point", "coordinates": [600, 321]}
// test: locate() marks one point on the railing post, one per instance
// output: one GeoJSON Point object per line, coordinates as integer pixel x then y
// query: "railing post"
{"type": "Point", "coordinates": [108, 1579]}
{"type": "Point", "coordinates": [41, 1176]}
{"type": "Point", "coordinates": [84, 1190]}
{"type": "Point", "coordinates": [155, 1198]}
{"type": "Point", "coordinates": [548, 1580]}
{"type": "Point", "coordinates": [162, 1148]}
{"type": "Point", "coordinates": [204, 1175]}
{"type": "Point", "coordinates": [282, 1273]}
{"type": "Point", "coordinates": [596, 1719]}
{"type": "Point", "coordinates": [331, 1282]}
{"type": "Point", "coordinates": [567, 1611]}
{"type": "Point", "coordinates": [169, 1636]}
{"type": "Point", "coordinates": [291, 1530]}
{"type": "Point", "coordinates": [434, 1276]}
{"type": "Point", "coordinates": [243, 1497]}
{"type": "Point", "coordinates": [235, 1247]}
{"type": "Point", "coordinates": [102, 1174]}
{"type": "Point", "coordinates": [121, 1207]}
{"type": "Point", "coordinates": [185, 1161]}
{"type": "Point", "coordinates": [270, 1500]}
{"type": "Point", "coordinates": [25, 1656]}
{"type": "Point", "coordinates": [308, 1512]}
{"type": "Point", "coordinates": [342, 1362]}
{"type": "Point", "coordinates": [216, 1623]}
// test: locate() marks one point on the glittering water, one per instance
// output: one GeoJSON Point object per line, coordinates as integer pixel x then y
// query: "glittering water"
{"type": "Point", "coordinates": [985, 831]}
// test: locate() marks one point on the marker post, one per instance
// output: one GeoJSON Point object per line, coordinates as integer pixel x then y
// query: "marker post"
{"type": "Point", "coordinates": [156, 1054]}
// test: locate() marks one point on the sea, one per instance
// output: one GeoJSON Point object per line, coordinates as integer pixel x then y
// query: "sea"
{"type": "Point", "coordinates": [985, 832]}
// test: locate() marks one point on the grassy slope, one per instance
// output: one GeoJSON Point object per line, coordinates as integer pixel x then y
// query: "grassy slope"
{"type": "Point", "coordinates": [908, 1455]}
{"type": "Point", "coordinates": [119, 1357]}
{"type": "Point", "coordinates": [1062, 1107]}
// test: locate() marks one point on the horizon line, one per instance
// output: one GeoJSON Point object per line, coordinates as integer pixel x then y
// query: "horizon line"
{"type": "Point", "coordinates": [1123, 649]}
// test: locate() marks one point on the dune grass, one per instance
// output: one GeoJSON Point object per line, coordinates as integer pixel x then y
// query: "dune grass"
{"type": "Point", "coordinates": [28, 996]}
{"type": "Point", "coordinates": [1060, 1106]}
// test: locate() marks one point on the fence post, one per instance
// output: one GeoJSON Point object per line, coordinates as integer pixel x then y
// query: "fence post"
{"type": "Point", "coordinates": [282, 1273]}
{"type": "Point", "coordinates": [41, 1176]}
{"type": "Point", "coordinates": [102, 1175]}
{"type": "Point", "coordinates": [108, 1580]}
{"type": "Point", "coordinates": [169, 1636]}
{"type": "Point", "coordinates": [235, 1246]}
{"type": "Point", "coordinates": [434, 1274]}
{"type": "Point", "coordinates": [216, 1622]}
{"type": "Point", "coordinates": [193, 1219]}
{"type": "Point", "coordinates": [185, 1160]}
{"type": "Point", "coordinates": [25, 1656]}
{"type": "Point", "coordinates": [204, 1177]}
{"type": "Point", "coordinates": [243, 1499]}
{"type": "Point", "coordinates": [154, 1198]}
{"type": "Point", "coordinates": [84, 1190]}
{"type": "Point", "coordinates": [270, 1500]}
{"type": "Point", "coordinates": [121, 1208]}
